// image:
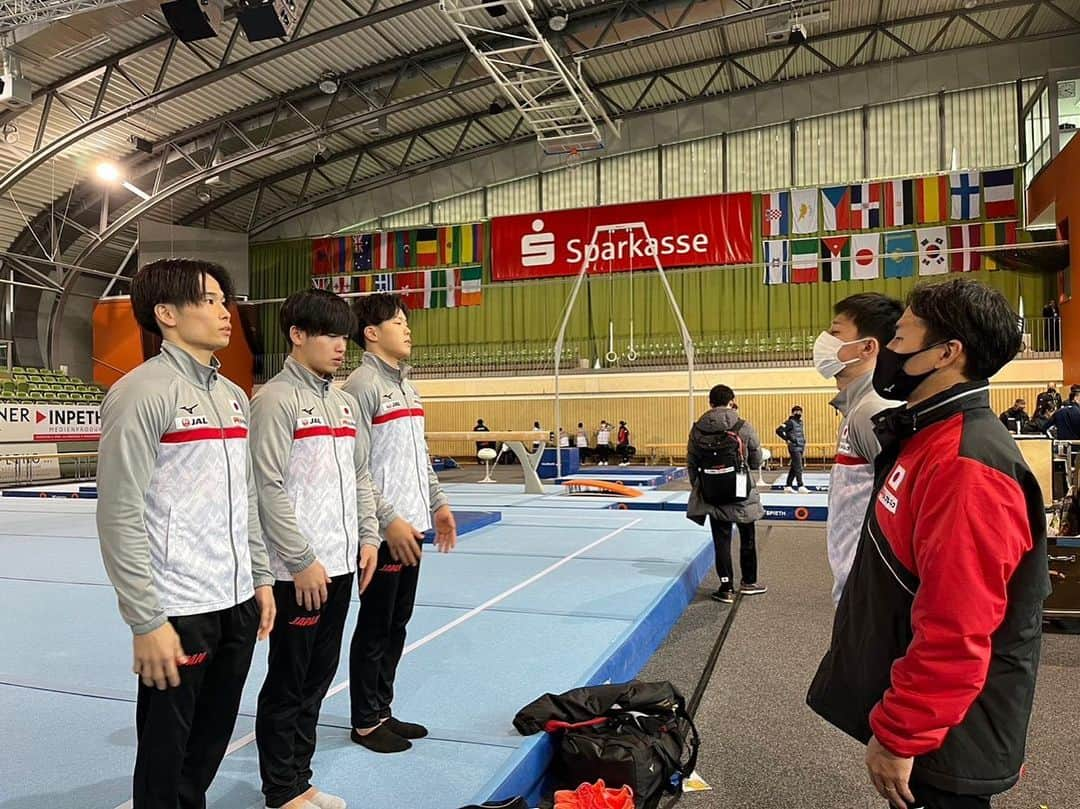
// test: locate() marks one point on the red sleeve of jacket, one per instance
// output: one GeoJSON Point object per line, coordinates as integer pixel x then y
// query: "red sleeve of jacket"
{"type": "Point", "coordinates": [970, 533]}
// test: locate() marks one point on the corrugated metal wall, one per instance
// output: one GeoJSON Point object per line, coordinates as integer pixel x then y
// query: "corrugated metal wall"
{"type": "Point", "coordinates": [694, 168]}
{"type": "Point", "coordinates": [410, 217]}
{"type": "Point", "coordinates": [829, 149]}
{"type": "Point", "coordinates": [630, 177]}
{"type": "Point", "coordinates": [759, 159]}
{"type": "Point", "coordinates": [516, 196]}
{"type": "Point", "coordinates": [981, 127]}
{"type": "Point", "coordinates": [467, 207]}
{"type": "Point", "coordinates": [903, 138]}
{"type": "Point", "coordinates": [572, 187]}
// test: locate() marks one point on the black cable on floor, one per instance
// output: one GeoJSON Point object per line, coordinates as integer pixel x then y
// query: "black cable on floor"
{"type": "Point", "coordinates": [710, 664]}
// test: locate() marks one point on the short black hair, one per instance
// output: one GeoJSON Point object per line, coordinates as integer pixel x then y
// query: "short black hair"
{"type": "Point", "coordinates": [873, 314]}
{"type": "Point", "coordinates": [976, 315]}
{"type": "Point", "coordinates": [316, 312]}
{"type": "Point", "coordinates": [721, 396]}
{"type": "Point", "coordinates": [178, 281]}
{"type": "Point", "coordinates": [796, 407]}
{"type": "Point", "coordinates": [374, 310]}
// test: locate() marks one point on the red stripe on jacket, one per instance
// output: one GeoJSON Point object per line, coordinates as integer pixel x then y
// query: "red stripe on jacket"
{"type": "Point", "coordinates": [313, 432]}
{"type": "Point", "coordinates": [204, 434]}
{"type": "Point", "coordinates": [403, 413]}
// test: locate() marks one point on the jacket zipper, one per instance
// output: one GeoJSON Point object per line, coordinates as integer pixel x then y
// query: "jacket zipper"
{"type": "Point", "coordinates": [228, 484]}
{"type": "Point", "coordinates": [884, 561]}
{"type": "Point", "coordinates": [341, 480]}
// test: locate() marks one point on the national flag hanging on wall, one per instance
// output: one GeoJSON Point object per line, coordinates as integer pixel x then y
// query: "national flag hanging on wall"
{"type": "Point", "coordinates": [365, 283]}
{"type": "Point", "coordinates": [775, 252]}
{"type": "Point", "coordinates": [865, 206]}
{"type": "Point", "coordinates": [997, 234]}
{"type": "Point", "coordinates": [361, 252]}
{"type": "Point", "coordinates": [804, 210]}
{"type": "Point", "coordinates": [403, 248]}
{"type": "Point", "coordinates": [804, 261]}
{"type": "Point", "coordinates": [836, 258]}
{"type": "Point", "coordinates": [836, 208]}
{"type": "Point", "coordinates": [964, 195]}
{"type": "Point", "coordinates": [899, 202]}
{"type": "Point", "coordinates": [461, 244]}
{"type": "Point", "coordinates": [865, 254]}
{"type": "Point", "coordinates": [963, 243]}
{"type": "Point", "coordinates": [774, 213]}
{"type": "Point", "coordinates": [932, 245]}
{"type": "Point", "coordinates": [931, 199]}
{"type": "Point", "coordinates": [383, 282]}
{"type": "Point", "coordinates": [427, 247]}
{"type": "Point", "coordinates": [471, 291]}
{"type": "Point", "coordinates": [435, 284]}
{"type": "Point", "coordinates": [410, 286]}
{"type": "Point", "coordinates": [999, 193]}
{"type": "Point", "coordinates": [382, 251]}
{"type": "Point", "coordinates": [320, 281]}
{"type": "Point", "coordinates": [340, 284]}
{"type": "Point", "coordinates": [341, 257]}
{"type": "Point", "coordinates": [900, 254]}
{"type": "Point", "coordinates": [320, 256]}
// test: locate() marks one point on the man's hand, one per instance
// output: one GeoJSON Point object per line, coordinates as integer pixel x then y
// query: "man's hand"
{"type": "Point", "coordinates": [156, 656]}
{"type": "Point", "coordinates": [889, 774]}
{"type": "Point", "coordinates": [264, 597]}
{"type": "Point", "coordinates": [404, 542]}
{"type": "Point", "coordinates": [445, 530]}
{"type": "Point", "coordinates": [311, 586]}
{"type": "Point", "coordinates": [369, 560]}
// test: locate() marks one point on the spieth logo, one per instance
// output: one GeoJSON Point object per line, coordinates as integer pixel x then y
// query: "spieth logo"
{"type": "Point", "coordinates": [537, 248]}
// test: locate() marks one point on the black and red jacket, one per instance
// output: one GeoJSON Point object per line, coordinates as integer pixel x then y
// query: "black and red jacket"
{"type": "Point", "coordinates": [935, 642]}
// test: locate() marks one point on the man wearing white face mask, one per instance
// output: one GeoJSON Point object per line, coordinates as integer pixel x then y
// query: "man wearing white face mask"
{"type": "Point", "coordinates": [848, 352]}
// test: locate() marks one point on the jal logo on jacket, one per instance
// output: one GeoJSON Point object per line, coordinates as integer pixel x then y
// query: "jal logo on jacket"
{"type": "Point", "coordinates": [889, 494]}
{"type": "Point", "coordinates": [191, 422]}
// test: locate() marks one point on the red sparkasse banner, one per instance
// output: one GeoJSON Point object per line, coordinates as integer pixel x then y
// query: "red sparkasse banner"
{"type": "Point", "coordinates": [688, 232]}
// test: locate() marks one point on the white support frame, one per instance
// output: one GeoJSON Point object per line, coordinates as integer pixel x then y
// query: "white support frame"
{"type": "Point", "coordinates": [688, 341]}
{"type": "Point", "coordinates": [554, 101]}
{"type": "Point", "coordinates": [14, 13]}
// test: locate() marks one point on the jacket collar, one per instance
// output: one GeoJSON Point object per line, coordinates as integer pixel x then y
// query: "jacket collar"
{"type": "Point", "coordinates": [900, 423]}
{"type": "Point", "coordinates": [399, 374]}
{"type": "Point", "coordinates": [305, 378]}
{"type": "Point", "coordinates": [846, 399]}
{"type": "Point", "coordinates": [205, 376]}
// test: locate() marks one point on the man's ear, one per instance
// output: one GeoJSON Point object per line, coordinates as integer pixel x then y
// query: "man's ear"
{"type": "Point", "coordinates": [371, 334]}
{"type": "Point", "coordinates": [956, 354]}
{"type": "Point", "coordinates": [166, 314]}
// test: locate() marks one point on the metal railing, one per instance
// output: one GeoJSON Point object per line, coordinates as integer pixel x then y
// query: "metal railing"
{"type": "Point", "coordinates": [774, 348]}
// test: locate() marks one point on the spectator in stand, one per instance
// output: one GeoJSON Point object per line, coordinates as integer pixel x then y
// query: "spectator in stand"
{"type": "Point", "coordinates": [1015, 418]}
{"type": "Point", "coordinates": [1065, 425]}
{"type": "Point", "coordinates": [537, 429]}
{"type": "Point", "coordinates": [1050, 397]}
{"type": "Point", "coordinates": [482, 428]}
{"type": "Point", "coordinates": [623, 448]}
{"type": "Point", "coordinates": [1052, 326]}
{"type": "Point", "coordinates": [564, 439]}
{"type": "Point", "coordinates": [603, 443]}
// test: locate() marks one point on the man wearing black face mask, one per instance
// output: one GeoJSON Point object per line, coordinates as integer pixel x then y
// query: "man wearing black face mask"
{"type": "Point", "coordinates": [792, 432]}
{"type": "Point", "coordinates": [936, 639]}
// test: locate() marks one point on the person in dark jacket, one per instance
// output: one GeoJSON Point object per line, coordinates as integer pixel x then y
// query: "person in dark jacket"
{"type": "Point", "coordinates": [1039, 423]}
{"type": "Point", "coordinates": [1049, 397]}
{"type": "Point", "coordinates": [935, 643]}
{"type": "Point", "coordinates": [1066, 421]}
{"type": "Point", "coordinates": [1016, 417]}
{"type": "Point", "coordinates": [793, 434]}
{"type": "Point", "coordinates": [743, 513]}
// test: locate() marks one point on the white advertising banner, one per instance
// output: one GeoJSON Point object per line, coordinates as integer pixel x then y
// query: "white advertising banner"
{"type": "Point", "coordinates": [15, 469]}
{"type": "Point", "coordinates": [22, 423]}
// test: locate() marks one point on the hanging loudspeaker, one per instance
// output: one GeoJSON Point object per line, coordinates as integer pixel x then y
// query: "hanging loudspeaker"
{"type": "Point", "coordinates": [192, 20]}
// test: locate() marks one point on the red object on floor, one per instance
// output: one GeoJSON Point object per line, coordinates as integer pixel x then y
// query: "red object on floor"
{"type": "Point", "coordinates": [595, 796]}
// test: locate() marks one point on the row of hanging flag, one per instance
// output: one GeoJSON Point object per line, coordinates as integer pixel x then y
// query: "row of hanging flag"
{"type": "Point", "coordinates": [959, 196]}
{"type": "Point", "coordinates": [454, 245]}
{"type": "Point", "coordinates": [902, 253]}
{"type": "Point", "coordinates": [430, 289]}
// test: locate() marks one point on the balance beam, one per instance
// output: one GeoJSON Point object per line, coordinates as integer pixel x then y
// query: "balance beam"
{"type": "Point", "coordinates": [516, 440]}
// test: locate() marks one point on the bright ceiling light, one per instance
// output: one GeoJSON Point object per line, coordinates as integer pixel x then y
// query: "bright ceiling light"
{"type": "Point", "coordinates": [328, 83]}
{"type": "Point", "coordinates": [108, 172]}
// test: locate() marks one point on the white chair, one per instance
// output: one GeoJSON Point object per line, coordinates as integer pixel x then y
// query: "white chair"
{"type": "Point", "coordinates": [487, 455]}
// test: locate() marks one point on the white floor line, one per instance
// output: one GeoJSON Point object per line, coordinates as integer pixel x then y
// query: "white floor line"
{"type": "Point", "coordinates": [244, 741]}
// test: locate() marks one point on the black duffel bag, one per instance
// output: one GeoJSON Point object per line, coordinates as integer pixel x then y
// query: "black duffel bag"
{"type": "Point", "coordinates": [634, 734]}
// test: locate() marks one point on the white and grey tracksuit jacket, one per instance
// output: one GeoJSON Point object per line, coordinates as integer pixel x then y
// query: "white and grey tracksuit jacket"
{"type": "Point", "coordinates": [390, 431]}
{"type": "Point", "coordinates": [312, 503]}
{"type": "Point", "coordinates": [177, 511]}
{"type": "Point", "coordinates": [851, 482]}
